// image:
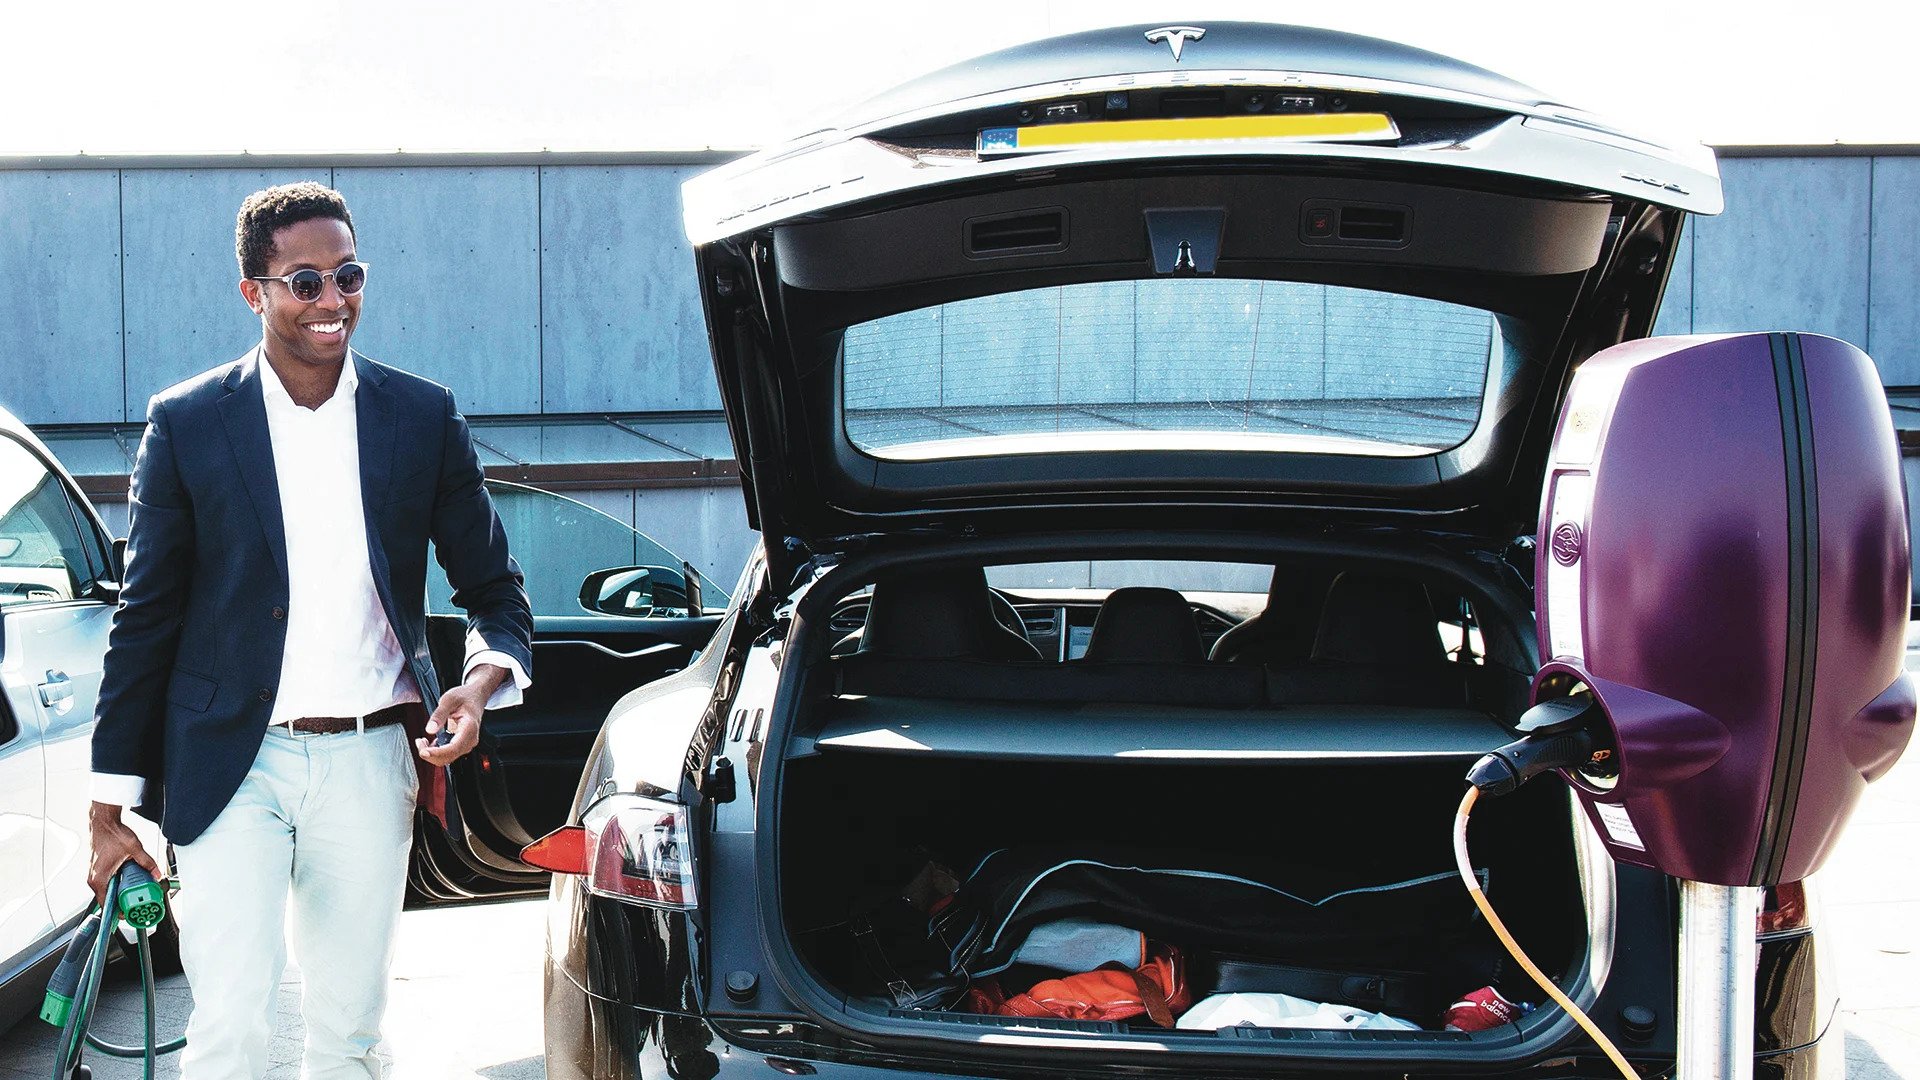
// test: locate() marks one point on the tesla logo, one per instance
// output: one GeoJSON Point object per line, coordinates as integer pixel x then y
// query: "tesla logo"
{"type": "Point", "coordinates": [1566, 544]}
{"type": "Point", "coordinates": [1176, 37]}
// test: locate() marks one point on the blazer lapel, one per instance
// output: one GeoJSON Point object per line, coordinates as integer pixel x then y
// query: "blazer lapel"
{"type": "Point", "coordinates": [244, 413]}
{"type": "Point", "coordinates": [379, 432]}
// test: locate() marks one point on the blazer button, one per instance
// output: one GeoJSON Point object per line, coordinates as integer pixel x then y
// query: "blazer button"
{"type": "Point", "coordinates": [279, 613]}
{"type": "Point", "coordinates": [266, 695]}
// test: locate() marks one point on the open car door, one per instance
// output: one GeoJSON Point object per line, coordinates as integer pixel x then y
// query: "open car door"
{"type": "Point", "coordinates": [519, 783]}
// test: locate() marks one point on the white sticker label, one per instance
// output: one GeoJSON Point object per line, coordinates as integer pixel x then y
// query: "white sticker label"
{"type": "Point", "coordinates": [1619, 825]}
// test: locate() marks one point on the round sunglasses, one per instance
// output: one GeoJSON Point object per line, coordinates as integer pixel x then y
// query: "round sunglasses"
{"type": "Point", "coordinates": [306, 285]}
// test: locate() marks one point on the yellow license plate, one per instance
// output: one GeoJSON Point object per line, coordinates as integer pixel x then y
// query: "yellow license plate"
{"type": "Point", "coordinates": [1290, 127]}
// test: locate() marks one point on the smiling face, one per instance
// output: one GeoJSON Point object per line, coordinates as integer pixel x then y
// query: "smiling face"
{"type": "Point", "coordinates": [312, 334]}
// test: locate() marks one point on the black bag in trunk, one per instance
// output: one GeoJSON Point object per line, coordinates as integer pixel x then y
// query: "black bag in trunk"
{"type": "Point", "coordinates": [1253, 906]}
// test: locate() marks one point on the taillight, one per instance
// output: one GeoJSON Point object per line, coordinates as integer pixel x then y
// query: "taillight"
{"type": "Point", "coordinates": [1787, 908]}
{"type": "Point", "coordinates": [563, 851]}
{"type": "Point", "coordinates": [639, 851]}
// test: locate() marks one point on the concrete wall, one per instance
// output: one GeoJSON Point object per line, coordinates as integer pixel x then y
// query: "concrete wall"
{"type": "Point", "coordinates": [569, 288]}
{"type": "Point", "coordinates": [527, 289]}
{"type": "Point", "coordinates": [1820, 244]}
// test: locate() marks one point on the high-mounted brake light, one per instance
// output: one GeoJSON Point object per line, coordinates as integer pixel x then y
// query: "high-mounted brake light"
{"type": "Point", "coordinates": [563, 851]}
{"type": "Point", "coordinates": [638, 851]}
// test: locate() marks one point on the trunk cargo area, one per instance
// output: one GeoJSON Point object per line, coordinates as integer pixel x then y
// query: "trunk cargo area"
{"type": "Point", "coordinates": [1328, 879]}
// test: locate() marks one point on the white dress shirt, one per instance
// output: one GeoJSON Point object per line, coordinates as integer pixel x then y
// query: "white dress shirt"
{"type": "Point", "coordinates": [341, 656]}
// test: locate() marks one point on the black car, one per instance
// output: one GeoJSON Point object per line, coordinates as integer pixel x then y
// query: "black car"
{"type": "Point", "coordinates": [1146, 429]}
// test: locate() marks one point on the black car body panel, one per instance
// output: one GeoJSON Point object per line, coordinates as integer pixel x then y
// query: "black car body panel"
{"type": "Point", "coordinates": [1494, 199]}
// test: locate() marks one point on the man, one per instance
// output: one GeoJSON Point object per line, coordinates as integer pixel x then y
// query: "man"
{"type": "Point", "coordinates": [270, 646]}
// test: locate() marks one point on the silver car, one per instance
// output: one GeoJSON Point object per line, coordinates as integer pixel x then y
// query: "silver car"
{"type": "Point", "coordinates": [59, 582]}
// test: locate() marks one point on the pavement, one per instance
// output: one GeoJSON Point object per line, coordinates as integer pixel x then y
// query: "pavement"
{"type": "Point", "coordinates": [465, 1005]}
{"type": "Point", "coordinates": [1870, 912]}
{"type": "Point", "coordinates": [466, 990]}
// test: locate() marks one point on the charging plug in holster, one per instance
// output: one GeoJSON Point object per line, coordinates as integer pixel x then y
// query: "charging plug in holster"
{"type": "Point", "coordinates": [1557, 734]}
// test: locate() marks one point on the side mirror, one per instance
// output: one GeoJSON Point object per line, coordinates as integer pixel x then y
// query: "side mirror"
{"type": "Point", "coordinates": [107, 589]}
{"type": "Point", "coordinates": [638, 592]}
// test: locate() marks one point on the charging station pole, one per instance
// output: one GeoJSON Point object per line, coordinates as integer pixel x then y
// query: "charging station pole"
{"type": "Point", "coordinates": [1718, 954]}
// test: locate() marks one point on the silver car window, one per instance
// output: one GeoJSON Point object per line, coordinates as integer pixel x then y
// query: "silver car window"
{"type": "Point", "coordinates": [43, 558]}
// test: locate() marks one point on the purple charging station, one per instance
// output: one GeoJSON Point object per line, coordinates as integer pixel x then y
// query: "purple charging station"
{"type": "Point", "coordinates": [1723, 562]}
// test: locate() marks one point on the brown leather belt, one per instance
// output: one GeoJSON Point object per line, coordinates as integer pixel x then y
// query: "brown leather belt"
{"type": "Point", "coordinates": [337, 725]}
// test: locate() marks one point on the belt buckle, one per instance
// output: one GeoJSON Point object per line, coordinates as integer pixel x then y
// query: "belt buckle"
{"type": "Point", "coordinates": [298, 734]}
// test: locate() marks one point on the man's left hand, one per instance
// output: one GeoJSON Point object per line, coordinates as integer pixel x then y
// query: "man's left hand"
{"type": "Point", "coordinates": [460, 712]}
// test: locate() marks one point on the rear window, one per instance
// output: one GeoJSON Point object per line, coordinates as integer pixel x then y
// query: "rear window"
{"type": "Point", "coordinates": [1182, 363]}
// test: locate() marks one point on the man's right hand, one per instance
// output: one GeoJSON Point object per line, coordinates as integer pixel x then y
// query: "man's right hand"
{"type": "Point", "coordinates": [113, 844]}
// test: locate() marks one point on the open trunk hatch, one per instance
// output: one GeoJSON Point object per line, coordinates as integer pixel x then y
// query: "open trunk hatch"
{"type": "Point", "coordinates": [984, 310]}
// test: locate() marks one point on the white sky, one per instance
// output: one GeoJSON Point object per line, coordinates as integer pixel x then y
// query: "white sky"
{"type": "Point", "coordinates": [511, 75]}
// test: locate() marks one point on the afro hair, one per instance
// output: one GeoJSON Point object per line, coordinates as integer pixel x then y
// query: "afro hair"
{"type": "Point", "coordinates": [267, 212]}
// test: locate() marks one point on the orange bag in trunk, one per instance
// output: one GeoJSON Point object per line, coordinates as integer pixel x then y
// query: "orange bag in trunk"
{"type": "Point", "coordinates": [1158, 989]}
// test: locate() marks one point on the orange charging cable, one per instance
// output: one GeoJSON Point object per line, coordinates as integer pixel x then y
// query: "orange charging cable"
{"type": "Point", "coordinates": [1506, 938]}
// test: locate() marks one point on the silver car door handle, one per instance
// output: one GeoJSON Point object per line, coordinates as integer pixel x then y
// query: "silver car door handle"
{"type": "Point", "coordinates": [56, 689]}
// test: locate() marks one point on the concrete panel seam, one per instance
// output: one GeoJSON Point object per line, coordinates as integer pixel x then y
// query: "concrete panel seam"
{"type": "Point", "coordinates": [1866, 343]}
{"type": "Point", "coordinates": [540, 279]}
{"type": "Point", "coordinates": [120, 251]}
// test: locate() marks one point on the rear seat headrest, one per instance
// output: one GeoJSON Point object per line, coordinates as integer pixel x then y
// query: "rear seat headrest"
{"type": "Point", "coordinates": [1371, 619]}
{"type": "Point", "coordinates": [945, 614]}
{"type": "Point", "coordinates": [1284, 630]}
{"type": "Point", "coordinates": [1145, 624]}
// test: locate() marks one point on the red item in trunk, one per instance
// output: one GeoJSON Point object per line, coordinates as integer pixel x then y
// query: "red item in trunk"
{"type": "Point", "coordinates": [1156, 989]}
{"type": "Point", "coordinates": [1482, 1009]}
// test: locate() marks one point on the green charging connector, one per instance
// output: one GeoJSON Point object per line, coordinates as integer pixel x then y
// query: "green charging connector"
{"type": "Point", "coordinates": [65, 984]}
{"type": "Point", "coordinates": [143, 901]}
{"type": "Point", "coordinates": [55, 1009]}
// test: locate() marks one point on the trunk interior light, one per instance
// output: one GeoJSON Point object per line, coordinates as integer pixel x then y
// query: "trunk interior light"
{"type": "Point", "coordinates": [562, 851]}
{"type": "Point", "coordinates": [639, 851]}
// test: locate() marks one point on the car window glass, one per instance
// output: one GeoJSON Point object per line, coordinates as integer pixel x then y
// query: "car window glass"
{"type": "Point", "coordinates": [559, 541]}
{"type": "Point", "coordinates": [43, 558]}
{"type": "Point", "coordinates": [1182, 363]}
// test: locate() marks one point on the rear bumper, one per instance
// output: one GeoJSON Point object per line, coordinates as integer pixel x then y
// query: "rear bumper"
{"type": "Point", "coordinates": [589, 1038]}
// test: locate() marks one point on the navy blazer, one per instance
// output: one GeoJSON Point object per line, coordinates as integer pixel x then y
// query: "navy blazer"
{"type": "Point", "coordinates": [193, 659]}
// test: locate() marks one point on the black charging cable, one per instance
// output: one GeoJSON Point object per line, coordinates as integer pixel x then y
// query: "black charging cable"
{"type": "Point", "coordinates": [132, 896]}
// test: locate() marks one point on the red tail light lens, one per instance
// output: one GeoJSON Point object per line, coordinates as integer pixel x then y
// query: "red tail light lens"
{"type": "Point", "coordinates": [1788, 908]}
{"type": "Point", "coordinates": [563, 851]}
{"type": "Point", "coordinates": [639, 851]}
